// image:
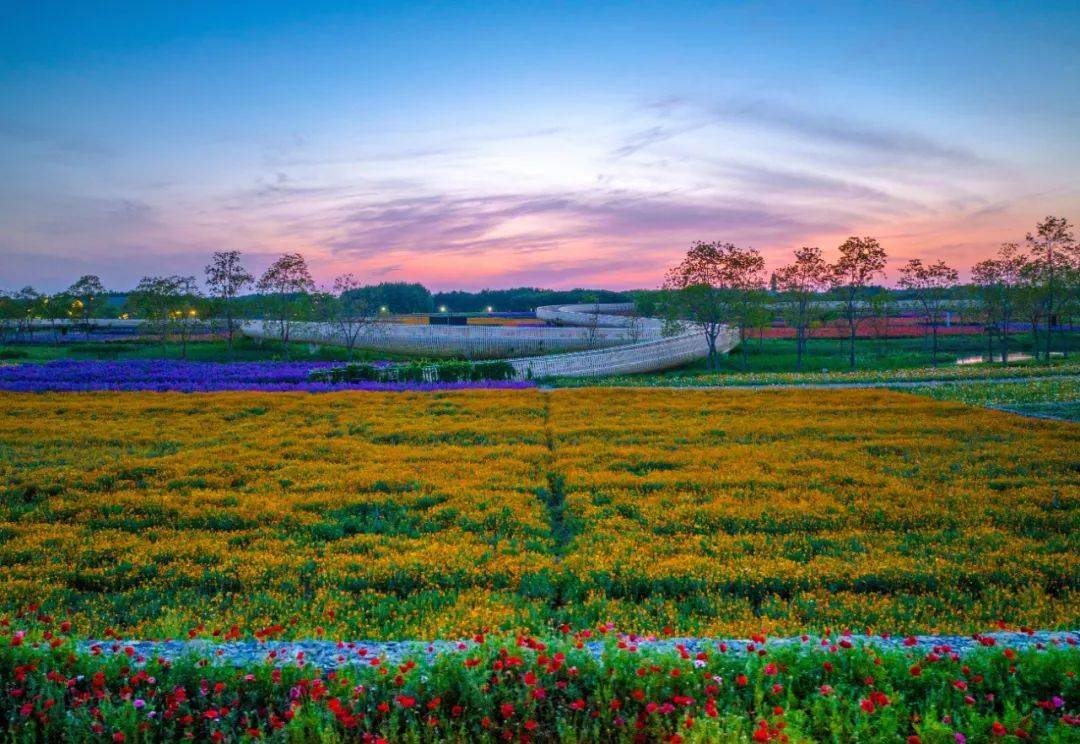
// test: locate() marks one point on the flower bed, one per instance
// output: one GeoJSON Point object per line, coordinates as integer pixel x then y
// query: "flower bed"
{"type": "Point", "coordinates": [180, 376]}
{"type": "Point", "coordinates": [524, 688]}
{"type": "Point", "coordinates": [427, 516]}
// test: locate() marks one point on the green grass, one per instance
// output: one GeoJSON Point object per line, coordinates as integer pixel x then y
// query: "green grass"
{"type": "Point", "coordinates": [778, 355]}
{"type": "Point", "coordinates": [1052, 398]}
{"type": "Point", "coordinates": [244, 350]}
{"type": "Point", "coordinates": [941, 373]}
{"type": "Point", "coordinates": [773, 362]}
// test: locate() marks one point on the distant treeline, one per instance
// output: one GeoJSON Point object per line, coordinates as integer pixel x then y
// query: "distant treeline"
{"type": "Point", "coordinates": [405, 297]}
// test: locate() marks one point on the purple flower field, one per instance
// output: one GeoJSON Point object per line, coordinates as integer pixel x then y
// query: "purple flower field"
{"type": "Point", "coordinates": [193, 377]}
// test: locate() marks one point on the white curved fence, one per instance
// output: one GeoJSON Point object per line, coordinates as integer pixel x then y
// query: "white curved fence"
{"type": "Point", "coordinates": [652, 352]}
{"type": "Point", "coordinates": [589, 341]}
{"type": "Point", "coordinates": [472, 342]}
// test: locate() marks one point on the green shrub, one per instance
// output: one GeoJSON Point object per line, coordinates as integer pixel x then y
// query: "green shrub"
{"type": "Point", "coordinates": [451, 370]}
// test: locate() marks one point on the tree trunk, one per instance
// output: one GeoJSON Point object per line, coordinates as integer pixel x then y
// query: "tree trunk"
{"type": "Point", "coordinates": [1049, 331]}
{"type": "Point", "coordinates": [851, 322]}
{"type": "Point", "coordinates": [1068, 339]}
{"type": "Point", "coordinates": [799, 347]}
{"type": "Point", "coordinates": [229, 333]}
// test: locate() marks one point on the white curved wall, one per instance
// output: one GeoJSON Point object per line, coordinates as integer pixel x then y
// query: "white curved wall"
{"type": "Point", "coordinates": [474, 342]}
{"type": "Point", "coordinates": [652, 353]}
{"type": "Point", "coordinates": [589, 341]}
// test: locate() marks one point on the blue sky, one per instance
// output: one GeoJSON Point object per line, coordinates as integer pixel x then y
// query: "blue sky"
{"type": "Point", "coordinates": [490, 144]}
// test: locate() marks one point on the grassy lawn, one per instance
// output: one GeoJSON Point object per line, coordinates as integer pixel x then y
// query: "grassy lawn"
{"type": "Point", "coordinates": [1051, 398]}
{"type": "Point", "coordinates": [778, 355]}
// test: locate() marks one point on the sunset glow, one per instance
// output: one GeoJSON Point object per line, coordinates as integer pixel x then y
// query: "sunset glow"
{"type": "Point", "coordinates": [475, 145]}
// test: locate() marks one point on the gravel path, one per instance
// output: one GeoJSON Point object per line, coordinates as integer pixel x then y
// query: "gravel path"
{"type": "Point", "coordinates": [331, 654]}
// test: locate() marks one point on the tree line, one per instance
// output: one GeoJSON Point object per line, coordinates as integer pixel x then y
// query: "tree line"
{"type": "Point", "coordinates": [719, 285]}
{"type": "Point", "coordinates": [175, 307]}
{"type": "Point", "coordinates": [716, 285]}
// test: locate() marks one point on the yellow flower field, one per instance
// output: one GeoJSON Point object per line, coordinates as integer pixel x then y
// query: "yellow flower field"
{"type": "Point", "coordinates": [434, 514]}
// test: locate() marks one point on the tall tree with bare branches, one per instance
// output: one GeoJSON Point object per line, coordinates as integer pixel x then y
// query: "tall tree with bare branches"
{"type": "Point", "coordinates": [351, 313]}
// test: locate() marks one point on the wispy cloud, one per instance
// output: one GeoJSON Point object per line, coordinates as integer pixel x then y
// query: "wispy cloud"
{"type": "Point", "coordinates": [472, 225]}
{"type": "Point", "coordinates": [835, 131]}
{"type": "Point", "coordinates": [638, 141]}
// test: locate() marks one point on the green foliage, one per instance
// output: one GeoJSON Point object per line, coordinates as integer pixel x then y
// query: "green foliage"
{"type": "Point", "coordinates": [396, 297]}
{"type": "Point", "coordinates": [523, 299]}
{"type": "Point", "coordinates": [417, 371]}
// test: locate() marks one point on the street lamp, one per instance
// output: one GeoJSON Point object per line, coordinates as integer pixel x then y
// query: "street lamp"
{"type": "Point", "coordinates": [490, 309]}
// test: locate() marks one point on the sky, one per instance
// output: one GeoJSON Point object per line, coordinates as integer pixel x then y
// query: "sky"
{"type": "Point", "coordinates": [488, 144]}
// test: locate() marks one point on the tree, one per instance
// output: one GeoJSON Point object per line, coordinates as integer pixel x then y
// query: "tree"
{"type": "Point", "coordinates": [881, 306]}
{"type": "Point", "coordinates": [800, 284]}
{"type": "Point", "coordinates": [167, 303]}
{"type": "Point", "coordinates": [1053, 265]}
{"type": "Point", "coordinates": [20, 311]}
{"type": "Point", "coordinates": [88, 295]}
{"type": "Point", "coordinates": [715, 284]}
{"type": "Point", "coordinates": [398, 297]}
{"type": "Point", "coordinates": [592, 327]}
{"type": "Point", "coordinates": [226, 277]}
{"type": "Point", "coordinates": [635, 327]}
{"type": "Point", "coordinates": [998, 282]}
{"type": "Point", "coordinates": [189, 310]}
{"type": "Point", "coordinates": [350, 313]}
{"type": "Point", "coordinates": [746, 276]}
{"type": "Point", "coordinates": [56, 309]}
{"type": "Point", "coordinates": [11, 314]}
{"type": "Point", "coordinates": [860, 260]}
{"type": "Point", "coordinates": [286, 285]}
{"type": "Point", "coordinates": [929, 284]}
